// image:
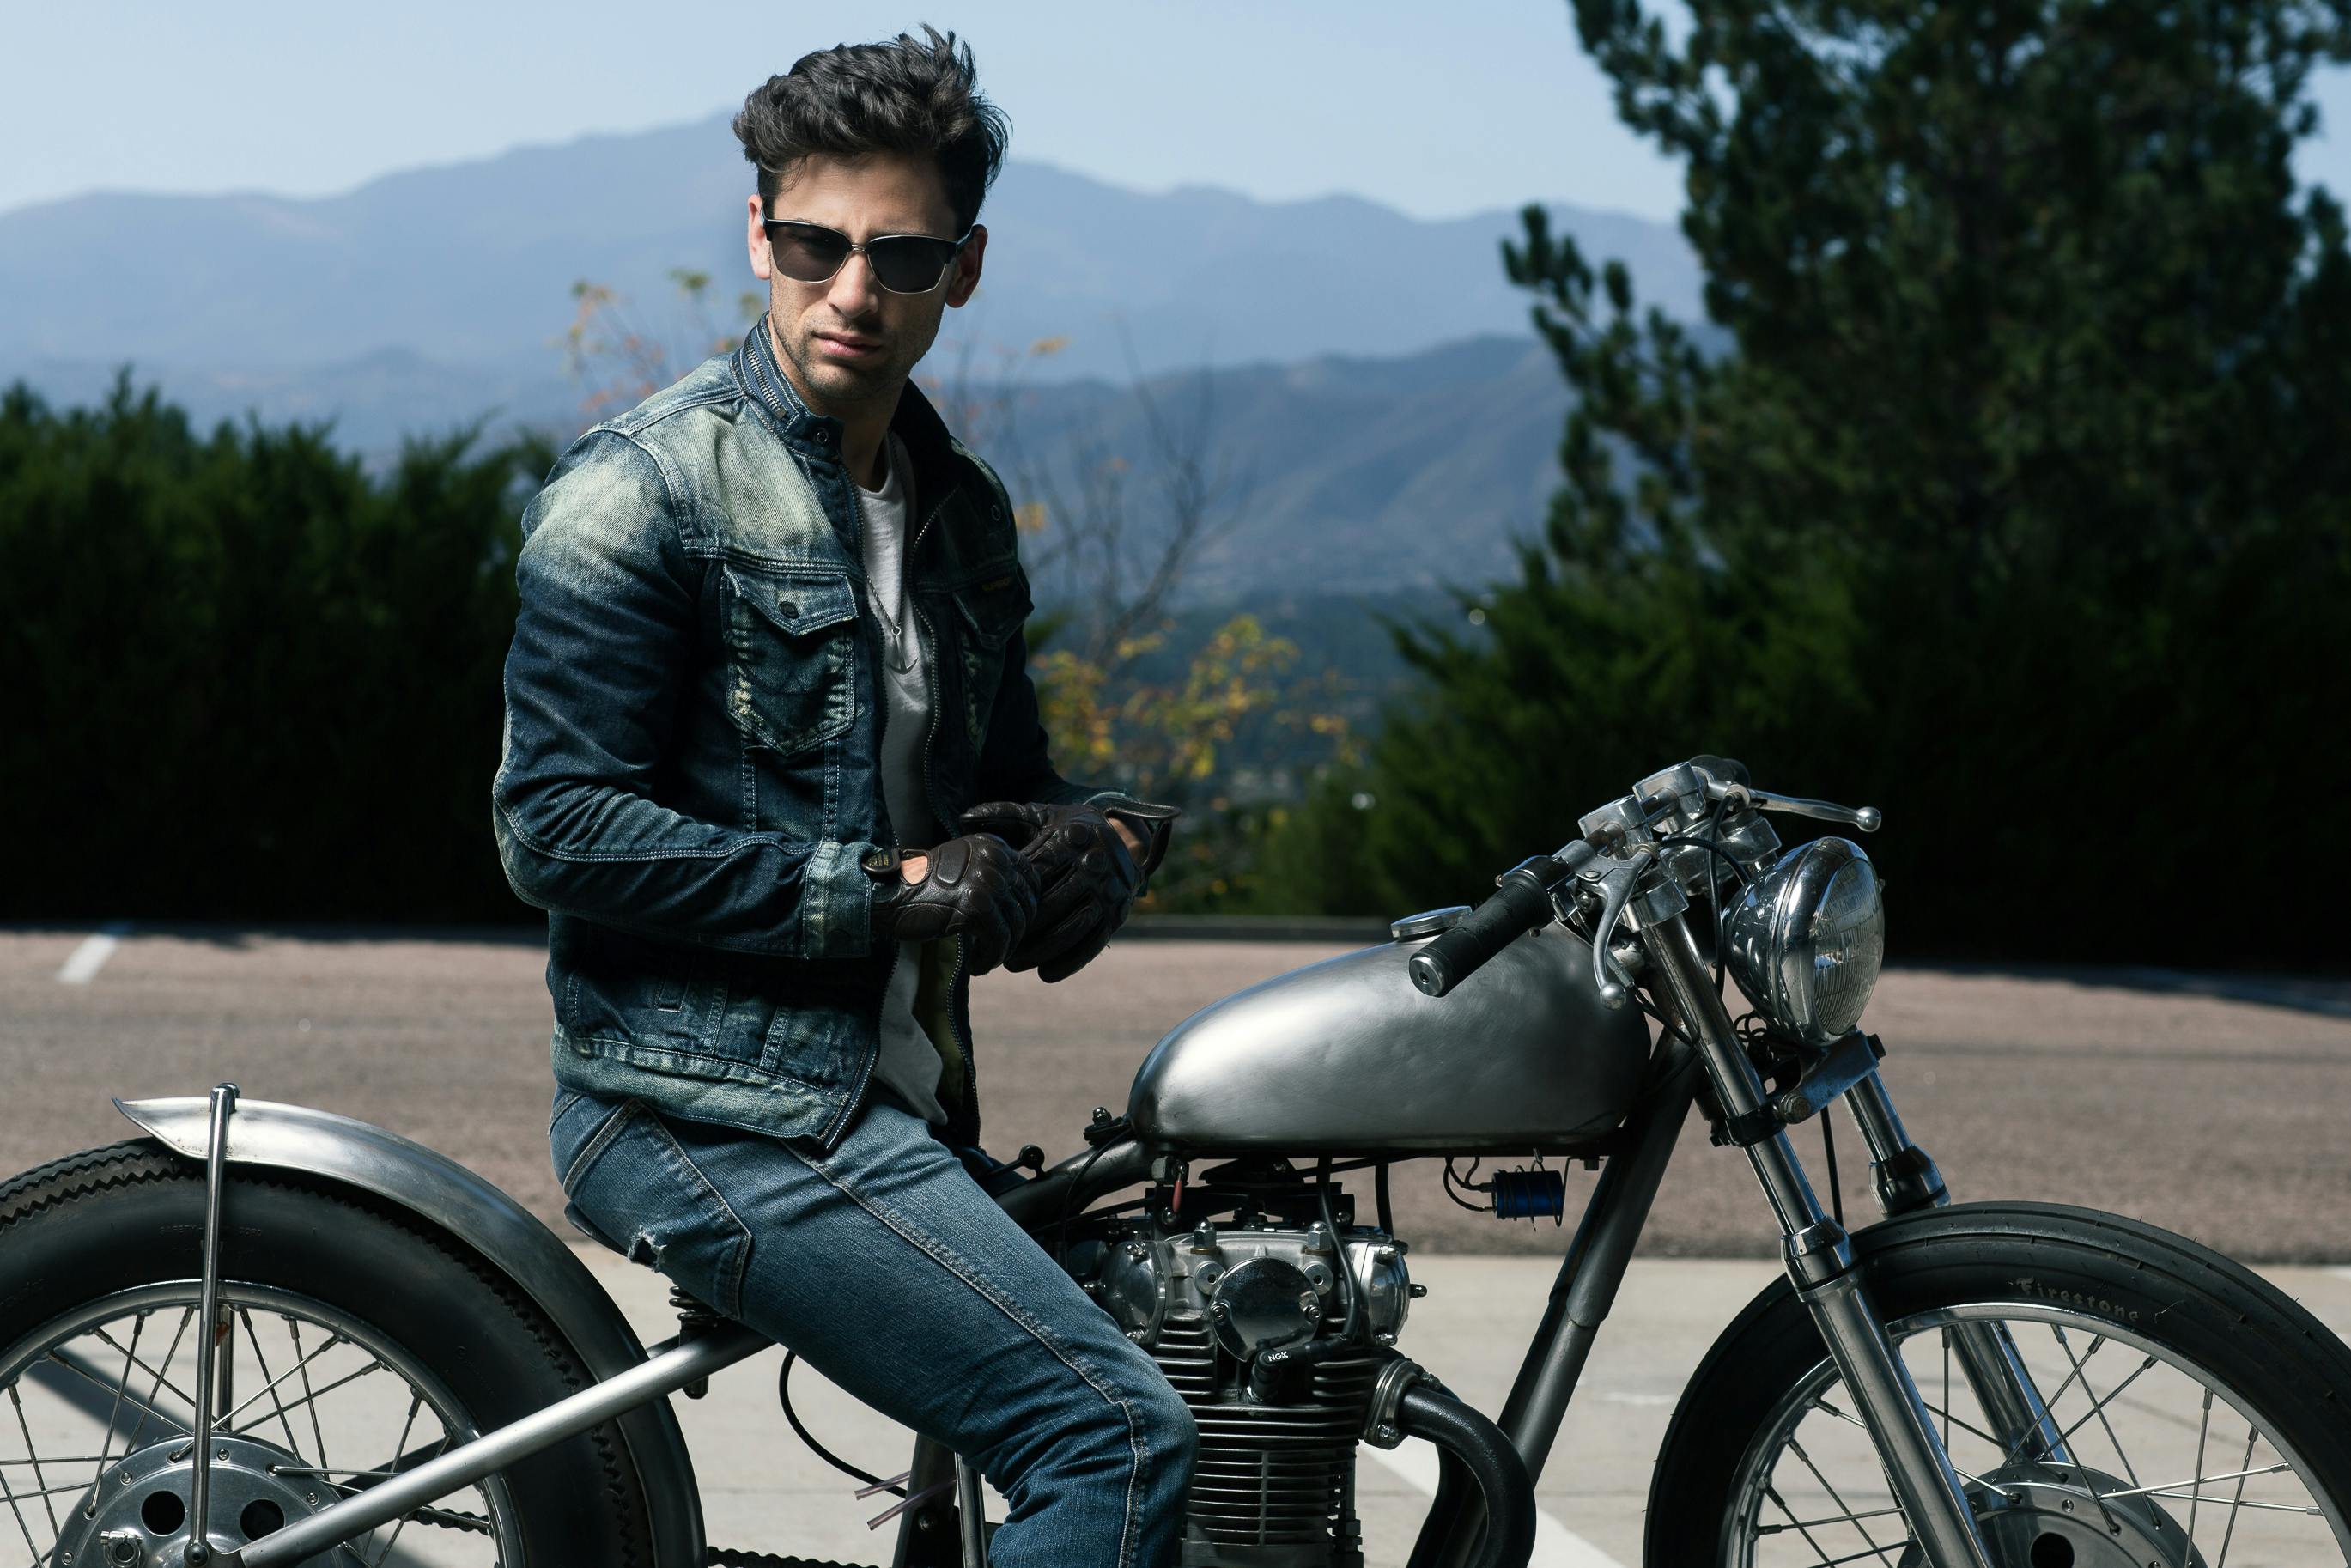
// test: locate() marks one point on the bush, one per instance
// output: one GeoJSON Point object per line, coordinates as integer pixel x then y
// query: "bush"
{"type": "Point", "coordinates": [244, 678]}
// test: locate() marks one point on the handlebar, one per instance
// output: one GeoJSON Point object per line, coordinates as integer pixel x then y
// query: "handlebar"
{"type": "Point", "coordinates": [1524, 896]}
{"type": "Point", "coordinates": [1521, 901]}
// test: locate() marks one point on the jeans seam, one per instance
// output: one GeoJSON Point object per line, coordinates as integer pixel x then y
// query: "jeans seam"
{"type": "Point", "coordinates": [731, 1287]}
{"type": "Point", "coordinates": [598, 1141]}
{"type": "Point", "coordinates": [947, 1258]}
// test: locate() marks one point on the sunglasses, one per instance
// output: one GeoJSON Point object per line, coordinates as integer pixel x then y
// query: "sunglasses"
{"type": "Point", "coordinates": [903, 264]}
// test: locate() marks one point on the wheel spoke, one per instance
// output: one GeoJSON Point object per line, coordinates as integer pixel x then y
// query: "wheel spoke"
{"type": "Point", "coordinates": [415, 1404]}
{"type": "Point", "coordinates": [2203, 1430]}
{"type": "Point", "coordinates": [311, 1396]}
{"type": "Point", "coordinates": [2235, 1514]}
{"type": "Point", "coordinates": [1949, 1419]}
{"type": "Point", "coordinates": [303, 1361]}
{"type": "Point", "coordinates": [21, 1525]}
{"type": "Point", "coordinates": [187, 1316]}
{"type": "Point", "coordinates": [292, 1442]}
{"type": "Point", "coordinates": [1834, 1496]}
{"type": "Point", "coordinates": [2098, 1411]}
{"type": "Point", "coordinates": [114, 1411]}
{"type": "Point", "coordinates": [1824, 1408]}
{"type": "Point", "coordinates": [1811, 1525]}
{"type": "Point", "coordinates": [302, 1367]}
{"type": "Point", "coordinates": [60, 1358]}
{"type": "Point", "coordinates": [32, 1451]}
{"type": "Point", "coordinates": [2097, 1343]}
{"type": "Point", "coordinates": [1793, 1523]}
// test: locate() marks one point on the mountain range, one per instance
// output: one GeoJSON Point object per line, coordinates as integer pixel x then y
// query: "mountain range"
{"type": "Point", "coordinates": [1371, 376]}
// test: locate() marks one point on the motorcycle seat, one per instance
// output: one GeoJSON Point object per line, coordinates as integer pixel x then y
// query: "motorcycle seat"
{"type": "Point", "coordinates": [581, 1223]}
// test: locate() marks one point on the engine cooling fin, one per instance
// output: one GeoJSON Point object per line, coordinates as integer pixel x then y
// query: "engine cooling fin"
{"type": "Point", "coordinates": [1269, 1475]}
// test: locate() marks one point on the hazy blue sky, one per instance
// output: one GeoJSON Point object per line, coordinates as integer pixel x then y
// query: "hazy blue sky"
{"type": "Point", "coordinates": [1436, 110]}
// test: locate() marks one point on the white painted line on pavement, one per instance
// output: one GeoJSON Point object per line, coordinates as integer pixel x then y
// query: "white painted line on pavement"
{"type": "Point", "coordinates": [1556, 1546]}
{"type": "Point", "coordinates": [84, 962]}
{"type": "Point", "coordinates": [2340, 1273]}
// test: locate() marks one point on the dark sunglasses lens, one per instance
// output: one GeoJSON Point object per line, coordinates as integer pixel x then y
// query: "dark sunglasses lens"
{"type": "Point", "coordinates": [807, 255]}
{"type": "Point", "coordinates": [909, 264]}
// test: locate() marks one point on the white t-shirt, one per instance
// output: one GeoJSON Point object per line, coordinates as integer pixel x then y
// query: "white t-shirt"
{"type": "Point", "coordinates": [909, 1065]}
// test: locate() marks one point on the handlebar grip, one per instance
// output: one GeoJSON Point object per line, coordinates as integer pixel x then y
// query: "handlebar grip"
{"type": "Point", "coordinates": [1521, 901]}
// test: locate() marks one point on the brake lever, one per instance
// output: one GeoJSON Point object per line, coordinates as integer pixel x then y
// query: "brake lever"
{"type": "Point", "coordinates": [1866, 818]}
{"type": "Point", "coordinates": [1613, 986]}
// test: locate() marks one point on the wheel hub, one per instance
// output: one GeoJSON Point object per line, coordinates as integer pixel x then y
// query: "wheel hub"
{"type": "Point", "coordinates": [137, 1514]}
{"type": "Point", "coordinates": [2061, 1516]}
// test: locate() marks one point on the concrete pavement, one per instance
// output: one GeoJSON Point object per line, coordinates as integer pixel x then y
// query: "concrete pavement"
{"type": "Point", "coordinates": [2218, 1117]}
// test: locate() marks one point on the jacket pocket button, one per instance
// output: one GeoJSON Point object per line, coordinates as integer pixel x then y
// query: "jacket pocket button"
{"type": "Point", "coordinates": [786, 607]}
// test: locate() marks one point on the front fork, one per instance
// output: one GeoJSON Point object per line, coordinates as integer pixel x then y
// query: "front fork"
{"type": "Point", "coordinates": [1820, 1260]}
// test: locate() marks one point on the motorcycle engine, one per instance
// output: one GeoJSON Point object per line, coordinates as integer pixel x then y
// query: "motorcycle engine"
{"type": "Point", "coordinates": [1242, 1297]}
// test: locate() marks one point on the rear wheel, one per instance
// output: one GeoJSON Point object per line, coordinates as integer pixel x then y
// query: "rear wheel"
{"type": "Point", "coordinates": [351, 1344]}
{"type": "Point", "coordinates": [2201, 1413]}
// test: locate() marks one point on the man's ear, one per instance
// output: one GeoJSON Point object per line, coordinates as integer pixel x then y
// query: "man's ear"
{"type": "Point", "coordinates": [966, 269]}
{"type": "Point", "coordinates": [762, 260]}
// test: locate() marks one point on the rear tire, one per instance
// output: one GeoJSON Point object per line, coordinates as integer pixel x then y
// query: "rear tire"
{"type": "Point", "coordinates": [2065, 1279]}
{"type": "Point", "coordinates": [127, 1221]}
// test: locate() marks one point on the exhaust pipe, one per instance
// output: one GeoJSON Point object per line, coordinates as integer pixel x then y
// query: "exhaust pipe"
{"type": "Point", "coordinates": [1408, 1401]}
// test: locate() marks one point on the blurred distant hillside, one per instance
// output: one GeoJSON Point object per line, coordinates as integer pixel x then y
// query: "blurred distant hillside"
{"type": "Point", "coordinates": [430, 298]}
{"type": "Point", "coordinates": [469, 267]}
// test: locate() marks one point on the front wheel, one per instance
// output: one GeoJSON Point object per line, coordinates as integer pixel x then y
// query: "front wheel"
{"type": "Point", "coordinates": [2195, 1416]}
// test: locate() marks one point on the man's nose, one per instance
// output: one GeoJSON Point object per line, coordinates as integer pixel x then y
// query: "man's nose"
{"type": "Point", "coordinates": [853, 292]}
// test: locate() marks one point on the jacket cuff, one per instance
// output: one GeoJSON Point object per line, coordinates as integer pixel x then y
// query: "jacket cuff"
{"type": "Point", "coordinates": [837, 899]}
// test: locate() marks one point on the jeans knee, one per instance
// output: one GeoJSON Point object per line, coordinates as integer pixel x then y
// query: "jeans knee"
{"type": "Point", "coordinates": [1169, 1433]}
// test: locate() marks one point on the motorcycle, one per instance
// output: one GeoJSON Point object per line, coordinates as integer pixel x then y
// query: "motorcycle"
{"type": "Point", "coordinates": [192, 1323]}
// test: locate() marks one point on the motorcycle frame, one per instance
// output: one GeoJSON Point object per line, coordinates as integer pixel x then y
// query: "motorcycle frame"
{"type": "Point", "coordinates": [1699, 1051]}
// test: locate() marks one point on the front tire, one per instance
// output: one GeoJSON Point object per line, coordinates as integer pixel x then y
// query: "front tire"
{"type": "Point", "coordinates": [2205, 1412]}
{"type": "Point", "coordinates": [361, 1343]}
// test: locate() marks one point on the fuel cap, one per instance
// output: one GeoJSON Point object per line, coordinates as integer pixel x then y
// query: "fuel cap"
{"type": "Point", "coordinates": [1427, 923]}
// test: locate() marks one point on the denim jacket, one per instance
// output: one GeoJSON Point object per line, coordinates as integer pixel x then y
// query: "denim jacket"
{"type": "Point", "coordinates": [689, 784]}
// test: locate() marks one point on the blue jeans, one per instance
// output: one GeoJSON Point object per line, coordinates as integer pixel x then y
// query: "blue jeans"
{"type": "Point", "coordinates": [891, 1273]}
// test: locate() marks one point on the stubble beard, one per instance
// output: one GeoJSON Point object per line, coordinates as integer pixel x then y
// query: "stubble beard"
{"type": "Point", "coordinates": [836, 389]}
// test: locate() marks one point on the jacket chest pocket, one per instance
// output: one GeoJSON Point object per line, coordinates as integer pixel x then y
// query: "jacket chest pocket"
{"type": "Point", "coordinates": [991, 615]}
{"type": "Point", "coordinates": [790, 645]}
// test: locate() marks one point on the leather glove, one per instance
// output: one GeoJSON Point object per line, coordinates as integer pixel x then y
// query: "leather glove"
{"type": "Point", "coordinates": [979, 888]}
{"type": "Point", "coordinates": [1089, 880]}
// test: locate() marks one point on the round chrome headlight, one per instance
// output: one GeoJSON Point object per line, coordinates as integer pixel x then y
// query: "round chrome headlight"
{"type": "Point", "coordinates": [1806, 941]}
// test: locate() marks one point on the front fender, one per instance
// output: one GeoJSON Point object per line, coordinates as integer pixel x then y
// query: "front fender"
{"type": "Point", "coordinates": [446, 1195]}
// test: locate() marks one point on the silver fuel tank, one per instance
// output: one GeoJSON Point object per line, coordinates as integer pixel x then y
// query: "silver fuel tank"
{"type": "Point", "coordinates": [1347, 1057]}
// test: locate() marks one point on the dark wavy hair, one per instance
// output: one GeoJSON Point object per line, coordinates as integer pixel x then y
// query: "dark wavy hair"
{"type": "Point", "coordinates": [908, 95]}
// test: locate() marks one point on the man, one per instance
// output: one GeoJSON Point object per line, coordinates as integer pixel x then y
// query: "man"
{"type": "Point", "coordinates": [770, 648]}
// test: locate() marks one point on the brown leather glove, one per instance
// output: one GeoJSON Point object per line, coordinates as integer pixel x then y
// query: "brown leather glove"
{"type": "Point", "coordinates": [1089, 880]}
{"type": "Point", "coordinates": [979, 888]}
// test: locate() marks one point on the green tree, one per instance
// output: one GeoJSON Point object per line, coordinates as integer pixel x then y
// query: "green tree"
{"type": "Point", "coordinates": [2006, 487]}
{"type": "Point", "coordinates": [245, 678]}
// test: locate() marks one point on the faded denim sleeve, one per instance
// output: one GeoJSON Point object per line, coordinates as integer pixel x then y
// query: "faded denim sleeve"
{"type": "Point", "coordinates": [602, 645]}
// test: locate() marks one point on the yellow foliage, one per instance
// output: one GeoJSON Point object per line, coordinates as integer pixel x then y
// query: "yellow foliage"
{"type": "Point", "coordinates": [1167, 736]}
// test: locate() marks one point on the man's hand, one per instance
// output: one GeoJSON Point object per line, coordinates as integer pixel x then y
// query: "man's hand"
{"type": "Point", "coordinates": [1090, 866]}
{"type": "Point", "coordinates": [976, 887]}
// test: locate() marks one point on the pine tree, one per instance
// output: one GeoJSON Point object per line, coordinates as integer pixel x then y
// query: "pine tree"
{"type": "Point", "coordinates": [2005, 486]}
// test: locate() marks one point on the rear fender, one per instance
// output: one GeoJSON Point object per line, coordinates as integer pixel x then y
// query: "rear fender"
{"type": "Point", "coordinates": [455, 1200]}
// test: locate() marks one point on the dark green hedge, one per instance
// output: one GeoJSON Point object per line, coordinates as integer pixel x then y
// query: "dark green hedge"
{"type": "Point", "coordinates": [243, 679]}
